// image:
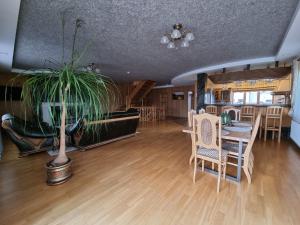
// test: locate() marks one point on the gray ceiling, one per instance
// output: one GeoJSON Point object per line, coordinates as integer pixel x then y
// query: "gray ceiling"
{"type": "Point", "coordinates": [124, 35]}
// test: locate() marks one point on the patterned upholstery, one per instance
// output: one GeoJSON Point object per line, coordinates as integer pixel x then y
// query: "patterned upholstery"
{"type": "Point", "coordinates": [212, 153]}
{"type": "Point", "coordinates": [206, 132]}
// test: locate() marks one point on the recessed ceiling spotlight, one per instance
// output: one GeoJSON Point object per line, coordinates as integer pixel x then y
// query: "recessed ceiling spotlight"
{"type": "Point", "coordinates": [128, 72]}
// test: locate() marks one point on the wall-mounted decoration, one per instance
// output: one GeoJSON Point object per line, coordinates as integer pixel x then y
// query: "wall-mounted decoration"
{"type": "Point", "coordinates": [179, 95]}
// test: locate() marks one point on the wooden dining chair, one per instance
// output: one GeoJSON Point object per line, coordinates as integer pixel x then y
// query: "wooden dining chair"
{"type": "Point", "coordinates": [248, 157]}
{"type": "Point", "coordinates": [191, 113]}
{"type": "Point", "coordinates": [211, 109]}
{"type": "Point", "coordinates": [208, 145]}
{"type": "Point", "coordinates": [273, 122]}
{"type": "Point", "coordinates": [235, 114]}
{"type": "Point", "coordinates": [223, 108]}
{"type": "Point", "coordinates": [201, 111]}
{"type": "Point", "coordinates": [248, 113]}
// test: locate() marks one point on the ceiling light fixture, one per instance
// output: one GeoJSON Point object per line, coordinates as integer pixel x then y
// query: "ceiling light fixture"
{"type": "Point", "coordinates": [93, 68]}
{"type": "Point", "coordinates": [177, 35]}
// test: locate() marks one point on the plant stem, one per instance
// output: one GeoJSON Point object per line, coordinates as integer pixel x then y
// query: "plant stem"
{"type": "Point", "coordinates": [63, 38]}
{"type": "Point", "coordinates": [77, 25]}
{"type": "Point", "coordinates": [62, 158]}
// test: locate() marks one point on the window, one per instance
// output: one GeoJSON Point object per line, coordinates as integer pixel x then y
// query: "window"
{"type": "Point", "coordinates": [254, 97]}
{"type": "Point", "coordinates": [251, 97]}
{"type": "Point", "coordinates": [238, 97]}
{"type": "Point", "coordinates": [265, 97]}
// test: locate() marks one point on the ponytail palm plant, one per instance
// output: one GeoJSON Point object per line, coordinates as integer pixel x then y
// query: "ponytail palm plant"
{"type": "Point", "coordinates": [80, 93]}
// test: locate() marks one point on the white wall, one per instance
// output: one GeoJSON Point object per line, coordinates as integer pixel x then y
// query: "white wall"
{"type": "Point", "coordinates": [9, 12]}
{"type": "Point", "coordinates": [295, 127]}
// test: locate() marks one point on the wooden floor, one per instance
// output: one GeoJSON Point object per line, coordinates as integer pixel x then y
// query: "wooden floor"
{"type": "Point", "coordinates": [147, 180]}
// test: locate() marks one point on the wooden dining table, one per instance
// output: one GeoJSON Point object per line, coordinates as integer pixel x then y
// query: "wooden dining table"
{"type": "Point", "coordinates": [240, 137]}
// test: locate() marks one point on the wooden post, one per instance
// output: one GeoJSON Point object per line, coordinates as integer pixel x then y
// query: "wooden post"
{"type": "Point", "coordinates": [195, 95]}
{"type": "Point", "coordinates": [201, 83]}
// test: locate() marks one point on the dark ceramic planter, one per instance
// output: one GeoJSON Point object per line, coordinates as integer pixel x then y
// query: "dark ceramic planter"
{"type": "Point", "coordinates": [58, 174]}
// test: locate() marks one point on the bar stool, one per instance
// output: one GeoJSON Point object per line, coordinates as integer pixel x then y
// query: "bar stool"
{"type": "Point", "coordinates": [211, 109]}
{"type": "Point", "coordinates": [273, 121]}
{"type": "Point", "coordinates": [248, 112]}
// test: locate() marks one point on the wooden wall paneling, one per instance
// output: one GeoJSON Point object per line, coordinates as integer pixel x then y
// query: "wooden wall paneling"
{"type": "Point", "coordinates": [280, 84]}
{"type": "Point", "coordinates": [174, 108]}
{"type": "Point", "coordinates": [271, 73]}
{"type": "Point", "coordinates": [16, 108]}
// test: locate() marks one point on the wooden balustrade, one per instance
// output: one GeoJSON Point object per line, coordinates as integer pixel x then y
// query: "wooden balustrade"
{"type": "Point", "coordinates": [151, 113]}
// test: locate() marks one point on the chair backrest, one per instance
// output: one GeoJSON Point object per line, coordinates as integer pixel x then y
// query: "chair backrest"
{"type": "Point", "coordinates": [211, 109]}
{"type": "Point", "coordinates": [274, 112]}
{"type": "Point", "coordinates": [247, 110]}
{"type": "Point", "coordinates": [201, 111]}
{"type": "Point", "coordinates": [226, 107]}
{"type": "Point", "coordinates": [252, 139]}
{"type": "Point", "coordinates": [191, 113]}
{"type": "Point", "coordinates": [235, 114]}
{"type": "Point", "coordinates": [207, 131]}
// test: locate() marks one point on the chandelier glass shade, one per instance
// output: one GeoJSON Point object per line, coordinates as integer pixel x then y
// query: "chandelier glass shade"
{"type": "Point", "coordinates": [171, 45]}
{"type": "Point", "coordinates": [92, 68]}
{"type": "Point", "coordinates": [175, 34]}
{"type": "Point", "coordinates": [189, 37]}
{"type": "Point", "coordinates": [185, 44]}
{"type": "Point", "coordinates": [178, 36]}
{"type": "Point", "coordinates": [164, 40]}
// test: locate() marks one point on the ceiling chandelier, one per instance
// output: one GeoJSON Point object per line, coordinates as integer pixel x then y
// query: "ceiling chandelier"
{"type": "Point", "coordinates": [178, 35]}
{"type": "Point", "coordinates": [92, 68]}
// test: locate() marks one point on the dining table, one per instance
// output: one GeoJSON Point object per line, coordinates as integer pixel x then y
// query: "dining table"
{"type": "Point", "coordinates": [241, 135]}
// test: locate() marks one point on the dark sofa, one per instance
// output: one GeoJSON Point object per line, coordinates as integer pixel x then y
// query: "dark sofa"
{"type": "Point", "coordinates": [28, 136]}
{"type": "Point", "coordinates": [112, 127]}
{"type": "Point", "coordinates": [31, 138]}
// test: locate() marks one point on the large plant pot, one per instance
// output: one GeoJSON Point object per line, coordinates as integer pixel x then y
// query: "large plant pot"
{"type": "Point", "coordinates": [58, 174]}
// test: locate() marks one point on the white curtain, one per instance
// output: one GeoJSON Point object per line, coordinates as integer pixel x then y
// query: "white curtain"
{"type": "Point", "coordinates": [296, 92]}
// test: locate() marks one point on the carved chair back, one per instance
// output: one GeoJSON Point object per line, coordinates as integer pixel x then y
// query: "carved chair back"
{"type": "Point", "coordinates": [207, 131]}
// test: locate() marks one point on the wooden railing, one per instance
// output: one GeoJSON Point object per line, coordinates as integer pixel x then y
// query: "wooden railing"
{"type": "Point", "coordinates": [151, 113]}
{"type": "Point", "coordinates": [138, 91]}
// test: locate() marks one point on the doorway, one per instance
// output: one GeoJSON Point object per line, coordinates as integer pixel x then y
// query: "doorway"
{"type": "Point", "coordinates": [190, 100]}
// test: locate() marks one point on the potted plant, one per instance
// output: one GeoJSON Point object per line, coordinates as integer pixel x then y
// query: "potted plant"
{"type": "Point", "coordinates": [84, 93]}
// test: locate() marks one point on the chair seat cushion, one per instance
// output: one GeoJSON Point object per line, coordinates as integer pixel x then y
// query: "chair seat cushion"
{"type": "Point", "coordinates": [232, 146]}
{"type": "Point", "coordinates": [212, 153]}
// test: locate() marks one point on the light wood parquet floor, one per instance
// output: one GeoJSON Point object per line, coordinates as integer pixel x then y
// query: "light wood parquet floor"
{"type": "Point", "coordinates": [147, 180]}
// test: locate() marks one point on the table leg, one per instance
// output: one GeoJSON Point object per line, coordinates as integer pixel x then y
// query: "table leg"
{"type": "Point", "coordinates": [239, 168]}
